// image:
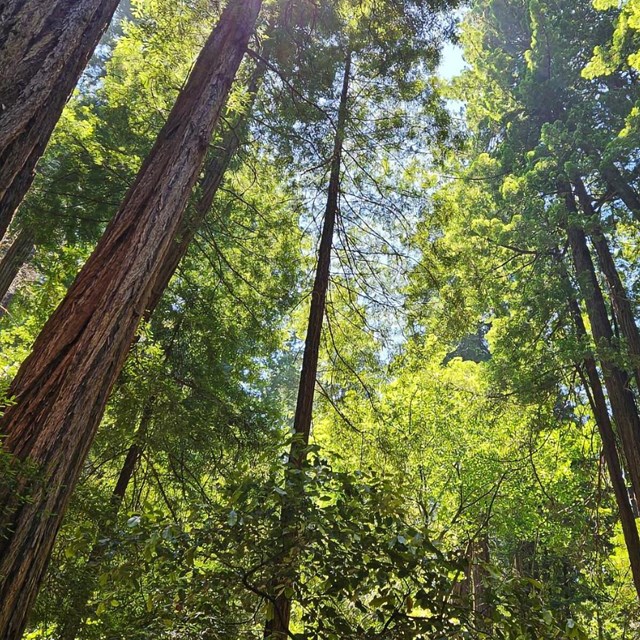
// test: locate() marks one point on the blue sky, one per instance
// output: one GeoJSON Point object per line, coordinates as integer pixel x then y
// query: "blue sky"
{"type": "Point", "coordinates": [452, 62]}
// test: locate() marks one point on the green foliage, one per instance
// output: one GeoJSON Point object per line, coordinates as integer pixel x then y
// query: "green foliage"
{"type": "Point", "coordinates": [455, 486]}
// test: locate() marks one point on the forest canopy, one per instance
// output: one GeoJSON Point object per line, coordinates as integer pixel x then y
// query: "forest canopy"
{"type": "Point", "coordinates": [319, 319]}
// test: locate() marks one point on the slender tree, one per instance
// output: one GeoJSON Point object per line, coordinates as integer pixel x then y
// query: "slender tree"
{"type": "Point", "coordinates": [620, 300]}
{"type": "Point", "coordinates": [277, 627]}
{"type": "Point", "coordinates": [591, 380]}
{"type": "Point", "coordinates": [44, 47]}
{"type": "Point", "coordinates": [15, 257]}
{"type": "Point", "coordinates": [78, 611]}
{"type": "Point", "coordinates": [60, 391]}
{"type": "Point", "coordinates": [623, 404]}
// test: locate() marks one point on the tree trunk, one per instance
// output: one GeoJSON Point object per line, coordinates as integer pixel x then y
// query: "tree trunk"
{"type": "Point", "coordinates": [482, 606]}
{"type": "Point", "coordinates": [277, 628]}
{"type": "Point", "coordinates": [622, 189]}
{"type": "Point", "coordinates": [213, 174]}
{"type": "Point", "coordinates": [462, 587]}
{"type": "Point", "coordinates": [619, 297]}
{"type": "Point", "coordinates": [61, 390]}
{"type": "Point", "coordinates": [623, 404]}
{"type": "Point", "coordinates": [600, 411]}
{"type": "Point", "coordinates": [13, 260]}
{"type": "Point", "coordinates": [44, 47]}
{"type": "Point", "coordinates": [78, 610]}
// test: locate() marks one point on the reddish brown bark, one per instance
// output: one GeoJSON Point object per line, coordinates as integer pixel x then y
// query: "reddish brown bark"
{"type": "Point", "coordinates": [480, 575]}
{"type": "Point", "coordinates": [623, 404]}
{"type": "Point", "coordinates": [44, 47]}
{"type": "Point", "coordinates": [61, 389]}
{"type": "Point", "coordinates": [277, 628]}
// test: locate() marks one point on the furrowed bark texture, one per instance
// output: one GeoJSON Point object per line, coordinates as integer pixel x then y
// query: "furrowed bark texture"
{"type": "Point", "coordinates": [482, 605]}
{"type": "Point", "coordinates": [44, 47]}
{"type": "Point", "coordinates": [600, 411]}
{"type": "Point", "coordinates": [61, 389]}
{"type": "Point", "coordinates": [623, 404]}
{"type": "Point", "coordinates": [13, 260]}
{"type": "Point", "coordinates": [278, 627]}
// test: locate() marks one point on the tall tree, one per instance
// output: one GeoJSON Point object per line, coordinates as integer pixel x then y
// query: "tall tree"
{"type": "Point", "coordinates": [12, 261]}
{"type": "Point", "coordinates": [598, 402]}
{"type": "Point", "coordinates": [539, 132]}
{"type": "Point", "coordinates": [623, 403]}
{"type": "Point", "coordinates": [78, 611]}
{"type": "Point", "coordinates": [61, 389]}
{"type": "Point", "coordinates": [219, 399]}
{"type": "Point", "coordinates": [277, 627]}
{"type": "Point", "coordinates": [43, 51]}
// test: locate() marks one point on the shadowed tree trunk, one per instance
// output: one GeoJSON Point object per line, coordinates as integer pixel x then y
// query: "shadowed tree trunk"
{"type": "Point", "coordinates": [623, 404]}
{"type": "Point", "coordinates": [479, 574]}
{"type": "Point", "coordinates": [622, 189]}
{"type": "Point", "coordinates": [13, 260]}
{"type": "Point", "coordinates": [44, 47]}
{"type": "Point", "coordinates": [61, 390]}
{"type": "Point", "coordinates": [277, 628]}
{"type": "Point", "coordinates": [600, 411]}
{"type": "Point", "coordinates": [619, 297]}
{"type": "Point", "coordinates": [471, 591]}
{"type": "Point", "coordinates": [78, 610]}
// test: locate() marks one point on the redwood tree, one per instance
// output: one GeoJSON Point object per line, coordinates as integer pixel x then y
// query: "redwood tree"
{"type": "Point", "coordinates": [590, 376]}
{"type": "Point", "coordinates": [60, 391]}
{"type": "Point", "coordinates": [44, 47]}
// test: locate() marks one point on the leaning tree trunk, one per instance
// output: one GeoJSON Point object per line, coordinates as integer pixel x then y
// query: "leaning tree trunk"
{"type": "Point", "coordinates": [44, 47]}
{"type": "Point", "coordinates": [619, 296]}
{"type": "Point", "coordinates": [78, 610]}
{"type": "Point", "coordinates": [61, 390]}
{"type": "Point", "coordinates": [214, 172]}
{"type": "Point", "coordinates": [600, 411]}
{"type": "Point", "coordinates": [13, 260]}
{"type": "Point", "coordinates": [622, 188]}
{"type": "Point", "coordinates": [623, 404]}
{"type": "Point", "coordinates": [277, 627]}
